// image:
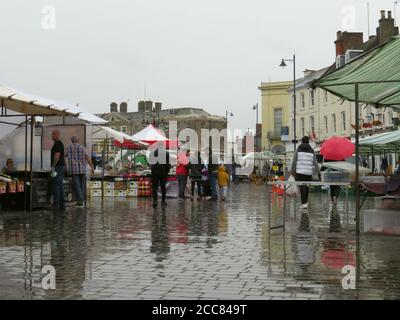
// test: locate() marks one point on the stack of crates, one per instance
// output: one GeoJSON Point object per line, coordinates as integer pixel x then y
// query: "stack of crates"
{"type": "Point", "coordinates": [120, 189]}
{"type": "Point", "coordinates": [144, 187]}
{"type": "Point", "coordinates": [109, 188]}
{"type": "Point", "coordinates": [132, 190]}
{"type": "Point", "coordinates": [95, 188]}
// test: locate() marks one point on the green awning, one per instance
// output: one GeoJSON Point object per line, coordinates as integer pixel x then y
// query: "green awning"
{"type": "Point", "coordinates": [377, 72]}
{"type": "Point", "coordinates": [388, 142]}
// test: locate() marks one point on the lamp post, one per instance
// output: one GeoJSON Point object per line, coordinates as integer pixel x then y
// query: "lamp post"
{"type": "Point", "coordinates": [255, 107]}
{"type": "Point", "coordinates": [283, 65]}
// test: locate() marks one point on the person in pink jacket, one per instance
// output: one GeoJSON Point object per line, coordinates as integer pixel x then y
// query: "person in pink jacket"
{"type": "Point", "coordinates": [182, 173]}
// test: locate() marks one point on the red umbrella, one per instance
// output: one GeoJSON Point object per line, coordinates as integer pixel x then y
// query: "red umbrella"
{"type": "Point", "coordinates": [337, 148]}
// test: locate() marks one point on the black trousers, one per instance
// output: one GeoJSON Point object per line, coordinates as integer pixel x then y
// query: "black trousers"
{"type": "Point", "coordinates": [159, 180]}
{"type": "Point", "coordinates": [335, 191]}
{"type": "Point", "coordinates": [304, 190]}
{"type": "Point", "coordinates": [193, 186]}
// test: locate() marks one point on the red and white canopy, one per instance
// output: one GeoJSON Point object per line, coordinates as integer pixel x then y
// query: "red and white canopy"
{"type": "Point", "coordinates": [152, 135]}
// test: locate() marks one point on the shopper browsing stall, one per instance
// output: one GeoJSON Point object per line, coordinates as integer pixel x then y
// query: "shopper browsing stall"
{"type": "Point", "coordinates": [77, 158]}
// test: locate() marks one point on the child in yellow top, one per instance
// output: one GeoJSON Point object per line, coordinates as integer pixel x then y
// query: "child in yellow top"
{"type": "Point", "coordinates": [223, 179]}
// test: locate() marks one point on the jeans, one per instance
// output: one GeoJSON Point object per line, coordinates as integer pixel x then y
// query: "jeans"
{"type": "Point", "coordinates": [182, 181]}
{"type": "Point", "coordinates": [212, 177]}
{"type": "Point", "coordinates": [79, 183]}
{"type": "Point", "coordinates": [157, 180]}
{"type": "Point", "coordinates": [303, 189]}
{"type": "Point", "coordinates": [58, 188]}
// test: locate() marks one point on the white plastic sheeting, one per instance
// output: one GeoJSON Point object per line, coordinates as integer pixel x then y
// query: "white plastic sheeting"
{"type": "Point", "coordinates": [29, 104]}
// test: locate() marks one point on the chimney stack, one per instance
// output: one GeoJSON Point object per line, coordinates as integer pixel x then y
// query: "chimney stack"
{"type": "Point", "coordinates": [123, 107]}
{"type": "Point", "coordinates": [387, 29]}
{"type": "Point", "coordinates": [113, 107]}
{"type": "Point", "coordinates": [348, 41]}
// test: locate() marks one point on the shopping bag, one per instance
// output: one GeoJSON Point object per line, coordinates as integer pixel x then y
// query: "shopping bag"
{"type": "Point", "coordinates": [292, 190]}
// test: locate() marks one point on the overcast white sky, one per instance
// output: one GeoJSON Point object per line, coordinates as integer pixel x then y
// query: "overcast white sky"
{"type": "Point", "coordinates": [211, 54]}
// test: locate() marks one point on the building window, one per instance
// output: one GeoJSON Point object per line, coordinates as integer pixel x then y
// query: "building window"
{"type": "Point", "coordinates": [326, 96]}
{"type": "Point", "coordinates": [302, 127]}
{"type": "Point", "coordinates": [312, 125]}
{"type": "Point", "coordinates": [344, 121]}
{"type": "Point", "coordinates": [278, 118]}
{"type": "Point", "coordinates": [312, 97]}
{"type": "Point", "coordinates": [124, 129]}
{"type": "Point", "coordinates": [302, 101]}
{"type": "Point", "coordinates": [334, 123]}
{"type": "Point", "coordinates": [326, 124]}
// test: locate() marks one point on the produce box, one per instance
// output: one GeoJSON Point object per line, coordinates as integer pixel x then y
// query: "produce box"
{"type": "Point", "coordinates": [120, 185]}
{"type": "Point", "coordinates": [120, 193]}
{"type": "Point", "coordinates": [132, 185]}
{"type": "Point", "coordinates": [95, 192]}
{"type": "Point", "coordinates": [108, 193]}
{"type": "Point", "coordinates": [132, 193]}
{"type": "Point", "coordinates": [95, 184]}
{"type": "Point", "coordinates": [108, 185]}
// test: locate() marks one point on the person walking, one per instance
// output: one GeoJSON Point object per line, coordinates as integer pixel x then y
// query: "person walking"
{"type": "Point", "coordinates": [304, 162]}
{"type": "Point", "coordinates": [213, 175]}
{"type": "Point", "coordinates": [182, 173]}
{"type": "Point", "coordinates": [196, 167]}
{"type": "Point", "coordinates": [57, 161]}
{"type": "Point", "coordinates": [160, 167]}
{"type": "Point", "coordinates": [223, 179]}
{"type": "Point", "coordinates": [77, 158]}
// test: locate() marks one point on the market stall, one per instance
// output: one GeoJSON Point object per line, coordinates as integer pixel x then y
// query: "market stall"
{"type": "Point", "coordinates": [129, 175]}
{"type": "Point", "coordinates": [27, 122]}
{"type": "Point", "coordinates": [372, 78]}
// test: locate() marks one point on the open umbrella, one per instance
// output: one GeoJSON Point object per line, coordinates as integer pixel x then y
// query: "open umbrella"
{"type": "Point", "coordinates": [337, 148]}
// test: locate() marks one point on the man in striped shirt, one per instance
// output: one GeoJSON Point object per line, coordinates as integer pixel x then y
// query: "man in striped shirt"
{"type": "Point", "coordinates": [77, 157]}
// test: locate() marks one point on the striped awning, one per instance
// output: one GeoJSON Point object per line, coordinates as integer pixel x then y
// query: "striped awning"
{"type": "Point", "coordinates": [377, 72]}
{"type": "Point", "coordinates": [388, 142]}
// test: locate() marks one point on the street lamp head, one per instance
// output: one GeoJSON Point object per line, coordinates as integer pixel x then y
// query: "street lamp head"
{"type": "Point", "coordinates": [283, 64]}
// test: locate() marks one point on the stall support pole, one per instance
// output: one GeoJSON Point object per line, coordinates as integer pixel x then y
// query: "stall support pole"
{"type": "Point", "coordinates": [357, 180]}
{"type": "Point", "coordinates": [26, 163]}
{"type": "Point", "coordinates": [30, 166]}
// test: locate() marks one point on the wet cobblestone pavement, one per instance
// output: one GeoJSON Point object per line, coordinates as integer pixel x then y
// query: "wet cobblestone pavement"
{"type": "Point", "coordinates": [125, 249]}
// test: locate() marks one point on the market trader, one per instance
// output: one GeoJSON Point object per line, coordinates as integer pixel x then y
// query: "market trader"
{"type": "Point", "coordinates": [57, 169]}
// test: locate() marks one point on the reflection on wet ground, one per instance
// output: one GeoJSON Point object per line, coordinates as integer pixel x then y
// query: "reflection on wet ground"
{"type": "Point", "coordinates": [125, 249]}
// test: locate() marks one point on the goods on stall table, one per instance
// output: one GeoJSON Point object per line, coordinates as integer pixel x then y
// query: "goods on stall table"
{"type": "Point", "coordinates": [20, 186]}
{"type": "Point", "coordinates": [12, 187]}
{"type": "Point", "coordinates": [3, 187]}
